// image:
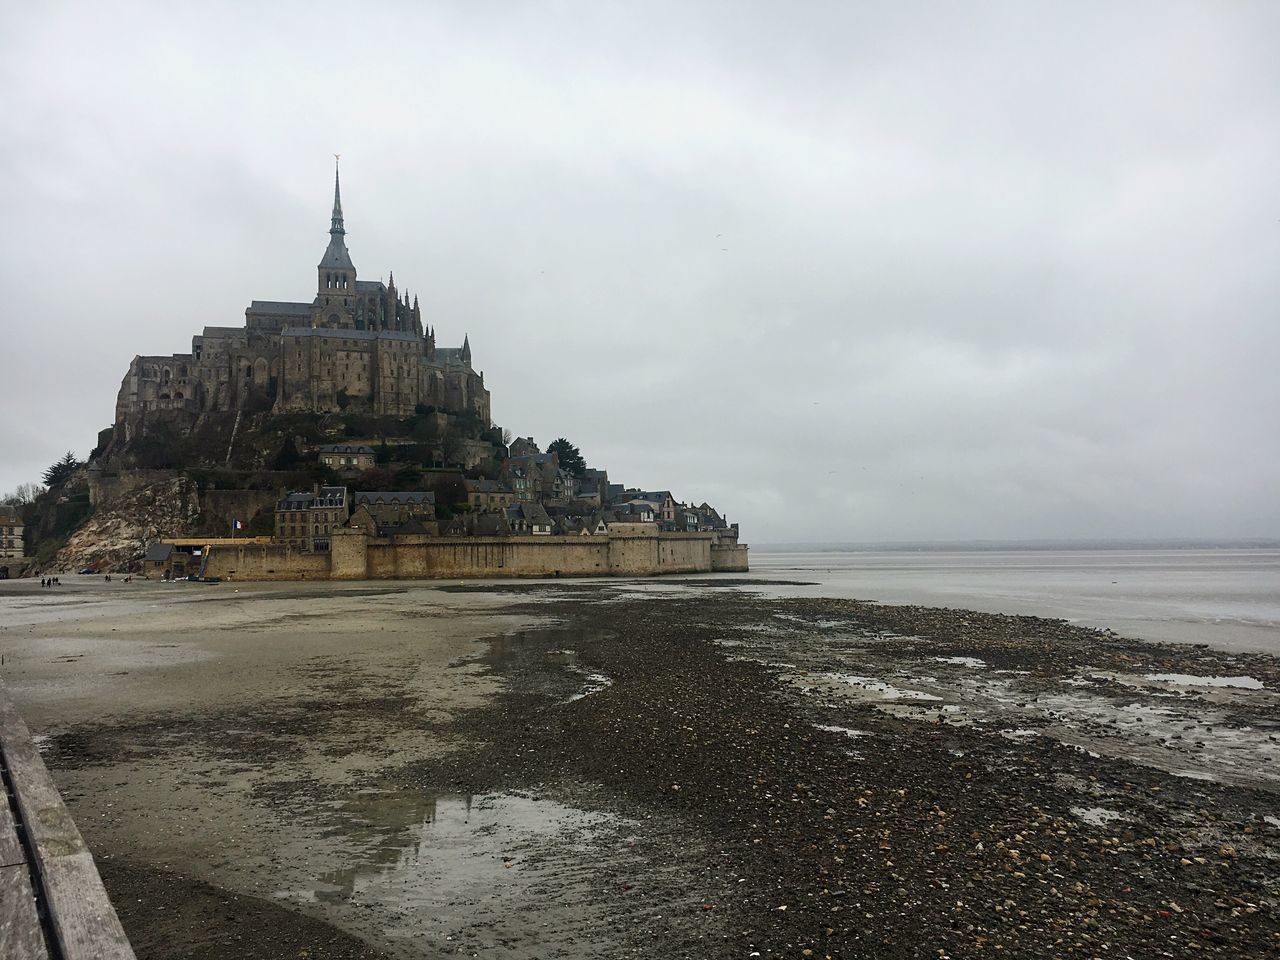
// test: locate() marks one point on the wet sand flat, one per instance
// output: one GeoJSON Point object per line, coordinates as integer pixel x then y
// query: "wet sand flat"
{"type": "Point", "coordinates": [600, 769]}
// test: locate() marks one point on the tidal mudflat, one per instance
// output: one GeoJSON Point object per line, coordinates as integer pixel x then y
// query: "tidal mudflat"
{"type": "Point", "coordinates": [675, 768]}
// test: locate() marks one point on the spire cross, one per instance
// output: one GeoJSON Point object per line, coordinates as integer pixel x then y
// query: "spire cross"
{"type": "Point", "coordinates": [336, 223]}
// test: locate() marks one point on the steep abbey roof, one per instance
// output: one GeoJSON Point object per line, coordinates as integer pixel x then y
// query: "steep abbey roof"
{"type": "Point", "coordinates": [280, 306]}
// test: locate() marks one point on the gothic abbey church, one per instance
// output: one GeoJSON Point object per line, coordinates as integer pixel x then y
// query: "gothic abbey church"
{"type": "Point", "coordinates": [357, 344]}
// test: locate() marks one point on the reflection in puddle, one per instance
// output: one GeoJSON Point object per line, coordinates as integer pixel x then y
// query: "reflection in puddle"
{"type": "Point", "coordinates": [429, 862]}
{"type": "Point", "coordinates": [523, 657]}
{"type": "Point", "coordinates": [595, 682]}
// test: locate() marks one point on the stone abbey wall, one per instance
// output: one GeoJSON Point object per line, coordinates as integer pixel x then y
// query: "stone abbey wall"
{"type": "Point", "coordinates": [629, 550]}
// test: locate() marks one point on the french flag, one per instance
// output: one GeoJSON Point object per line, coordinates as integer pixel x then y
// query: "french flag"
{"type": "Point", "coordinates": [237, 524]}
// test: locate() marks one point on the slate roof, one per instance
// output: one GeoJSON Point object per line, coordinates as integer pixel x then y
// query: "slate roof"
{"type": "Point", "coordinates": [158, 552]}
{"type": "Point", "coordinates": [491, 525]}
{"type": "Point", "coordinates": [342, 333]}
{"type": "Point", "coordinates": [328, 497]}
{"type": "Point", "coordinates": [395, 496]}
{"type": "Point", "coordinates": [485, 485]}
{"type": "Point", "coordinates": [343, 448]}
{"type": "Point", "coordinates": [530, 513]}
{"type": "Point", "coordinates": [280, 306]}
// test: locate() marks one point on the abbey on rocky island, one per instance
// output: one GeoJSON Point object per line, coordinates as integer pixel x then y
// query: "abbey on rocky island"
{"type": "Point", "coordinates": [358, 342]}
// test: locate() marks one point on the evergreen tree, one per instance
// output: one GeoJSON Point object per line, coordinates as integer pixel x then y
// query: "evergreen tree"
{"type": "Point", "coordinates": [288, 456]}
{"type": "Point", "coordinates": [570, 456]}
{"type": "Point", "coordinates": [59, 473]}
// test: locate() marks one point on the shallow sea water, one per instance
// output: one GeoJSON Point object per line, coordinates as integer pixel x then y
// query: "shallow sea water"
{"type": "Point", "coordinates": [1229, 598]}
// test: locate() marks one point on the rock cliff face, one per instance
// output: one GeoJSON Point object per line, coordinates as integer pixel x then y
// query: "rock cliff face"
{"type": "Point", "coordinates": [121, 530]}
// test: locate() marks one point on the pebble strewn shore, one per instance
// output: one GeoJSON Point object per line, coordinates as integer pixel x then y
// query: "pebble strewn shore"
{"type": "Point", "coordinates": [781, 778]}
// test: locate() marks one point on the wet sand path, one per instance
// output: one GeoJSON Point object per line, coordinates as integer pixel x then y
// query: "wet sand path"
{"type": "Point", "coordinates": [604, 769]}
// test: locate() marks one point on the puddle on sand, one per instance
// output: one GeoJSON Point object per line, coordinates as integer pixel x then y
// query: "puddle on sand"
{"type": "Point", "coordinates": [433, 868]}
{"type": "Point", "coordinates": [1096, 816]}
{"type": "Point", "coordinates": [522, 658]}
{"type": "Point", "coordinates": [847, 731]}
{"type": "Point", "coordinates": [594, 682]}
{"type": "Point", "coordinates": [877, 691]}
{"type": "Point", "coordinates": [1189, 680]}
{"type": "Point", "coordinates": [1020, 734]}
{"type": "Point", "coordinates": [962, 661]}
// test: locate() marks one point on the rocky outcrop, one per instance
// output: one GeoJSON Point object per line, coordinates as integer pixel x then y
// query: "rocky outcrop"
{"type": "Point", "coordinates": [120, 531]}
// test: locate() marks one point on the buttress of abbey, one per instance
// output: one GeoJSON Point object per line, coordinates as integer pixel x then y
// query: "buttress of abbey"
{"type": "Point", "coordinates": [358, 342]}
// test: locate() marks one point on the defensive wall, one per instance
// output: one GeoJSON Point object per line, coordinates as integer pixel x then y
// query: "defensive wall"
{"type": "Point", "coordinates": [628, 550]}
{"type": "Point", "coordinates": [219, 506]}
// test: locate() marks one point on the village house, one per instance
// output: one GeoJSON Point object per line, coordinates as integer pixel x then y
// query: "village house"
{"type": "Point", "coordinates": [305, 520]}
{"type": "Point", "coordinates": [10, 532]}
{"type": "Point", "coordinates": [522, 486]}
{"type": "Point", "coordinates": [488, 495]}
{"type": "Point", "coordinates": [708, 517]}
{"type": "Point", "coordinates": [528, 518]}
{"type": "Point", "coordinates": [664, 504]}
{"type": "Point", "coordinates": [635, 511]}
{"type": "Point", "coordinates": [346, 457]}
{"type": "Point", "coordinates": [591, 487]}
{"type": "Point", "coordinates": [524, 447]}
{"type": "Point", "coordinates": [394, 508]}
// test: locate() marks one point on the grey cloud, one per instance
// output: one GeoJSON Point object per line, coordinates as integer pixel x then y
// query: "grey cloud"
{"type": "Point", "coordinates": [850, 271]}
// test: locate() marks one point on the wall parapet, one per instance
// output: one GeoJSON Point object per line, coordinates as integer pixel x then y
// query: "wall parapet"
{"type": "Point", "coordinates": [356, 555]}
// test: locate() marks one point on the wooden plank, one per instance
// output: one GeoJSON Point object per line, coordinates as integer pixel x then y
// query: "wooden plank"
{"type": "Point", "coordinates": [50, 829]}
{"type": "Point", "coordinates": [11, 851]}
{"type": "Point", "coordinates": [83, 918]}
{"type": "Point", "coordinates": [20, 935]}
{"type": "Point", "coordinates": [84, 922]}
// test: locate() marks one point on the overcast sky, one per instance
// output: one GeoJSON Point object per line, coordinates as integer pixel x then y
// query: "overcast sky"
{"type": "Point", "coordinates": [850, 271]}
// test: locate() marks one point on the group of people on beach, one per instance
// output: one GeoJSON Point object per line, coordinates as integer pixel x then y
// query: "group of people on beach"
{"type": "Point", "coordinates": [57, 582]}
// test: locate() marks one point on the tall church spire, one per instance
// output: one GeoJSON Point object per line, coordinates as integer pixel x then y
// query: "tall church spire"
{"type": "Point", "coordinates": [336, 274]}
{"type": "Point", "coordinates": [335, 226]}
{"type": "Point", "coordinates": [336, 269]}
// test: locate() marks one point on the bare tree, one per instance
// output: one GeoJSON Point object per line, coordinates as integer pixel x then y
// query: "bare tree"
{"type": "Point", "coordinates": [24, 493]}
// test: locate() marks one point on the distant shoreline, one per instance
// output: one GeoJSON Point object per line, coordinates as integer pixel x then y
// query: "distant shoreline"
{"type": "Point", "coordinates": [971, 546]}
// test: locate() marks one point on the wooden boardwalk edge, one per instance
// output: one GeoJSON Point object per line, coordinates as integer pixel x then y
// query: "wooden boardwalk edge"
{"type": "Point", "coordinates": [78, 910]}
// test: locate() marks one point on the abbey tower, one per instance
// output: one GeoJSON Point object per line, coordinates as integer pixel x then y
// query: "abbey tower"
{"type": "Point", "coordinates": [359, 343]}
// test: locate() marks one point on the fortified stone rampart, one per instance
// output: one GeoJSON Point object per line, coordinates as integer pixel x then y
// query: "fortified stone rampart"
{"type": "Point", "coordinates": [266, 561]}
{"type": "Point", "coordinates": [631, 550]}
{"type": "Point", "coordinates": [224, 506]}
{"type": "Point", "coordinates": [729, 558]}
{"type": "Point", "coordinates": [103, 489]}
